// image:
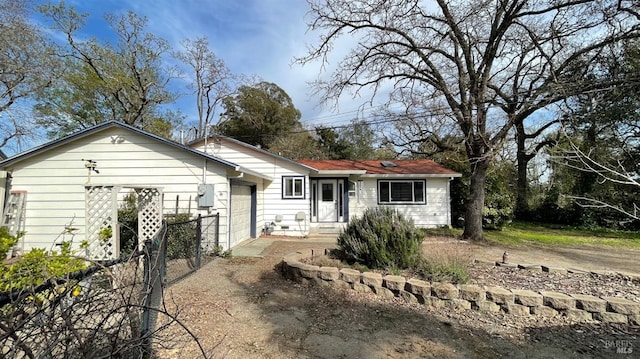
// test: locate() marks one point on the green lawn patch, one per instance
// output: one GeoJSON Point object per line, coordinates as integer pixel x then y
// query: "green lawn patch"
{"type": "Point", "coordinates": [521, 233]}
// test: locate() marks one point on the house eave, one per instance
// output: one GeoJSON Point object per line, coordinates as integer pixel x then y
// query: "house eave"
{"type": "Point", "coordinates": [411, 175]}
{"type": "Point", "coordinates": [329, 173]}
{"type": "Point", "coordinates": [244, 170]}
{"type": "Point", "coordinates": [100, 127]}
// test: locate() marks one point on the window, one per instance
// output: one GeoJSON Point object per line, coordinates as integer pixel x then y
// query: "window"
{"type": "Point", "coordinates": [352, 189]}
{"type": "Point", "coordinates": [401, 191]}
{"type": "Point", "coordinates": [292, 187]}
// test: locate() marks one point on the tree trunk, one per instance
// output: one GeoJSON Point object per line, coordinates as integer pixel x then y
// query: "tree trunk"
{"type": "Point", "coordinates": [522, 183]}
{"type": "Point", "coordinates": [475, 201]}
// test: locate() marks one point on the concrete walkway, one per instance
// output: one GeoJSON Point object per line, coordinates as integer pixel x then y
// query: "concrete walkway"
{"type": "Point", "coordinates": [256, 247]}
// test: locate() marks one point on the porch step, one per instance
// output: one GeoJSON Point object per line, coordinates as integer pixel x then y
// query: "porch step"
{"type": "Point", "coordinates": [327, 229]}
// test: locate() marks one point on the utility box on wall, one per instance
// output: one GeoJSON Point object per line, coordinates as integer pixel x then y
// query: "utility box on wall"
{"type": "Point", "coordinates": [206, 195]}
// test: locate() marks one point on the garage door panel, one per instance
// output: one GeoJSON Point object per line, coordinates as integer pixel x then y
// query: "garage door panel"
{"type": "Point", "coordinates": [240, 229]}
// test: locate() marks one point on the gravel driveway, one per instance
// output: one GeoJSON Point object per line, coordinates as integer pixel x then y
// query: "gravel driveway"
{"type": "Point", "coordinates": [242, 308]}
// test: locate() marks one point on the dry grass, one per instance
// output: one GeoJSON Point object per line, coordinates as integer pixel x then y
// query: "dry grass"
{"type": "Point", "coordinates": [448, 253]}
{"type": "Point", "coordinates": [446, 261]}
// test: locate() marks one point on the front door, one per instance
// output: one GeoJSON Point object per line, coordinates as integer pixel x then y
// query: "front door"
{"type": "Point", "coordinates": [327, 201]}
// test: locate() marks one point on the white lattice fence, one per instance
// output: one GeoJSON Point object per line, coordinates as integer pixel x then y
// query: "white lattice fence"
{"type": "Point", "coordinates": [149, 213]}
{"type": "Point", "coordinates": [101, 222]}
{"type": "Point", "coordinates": [102, 219]}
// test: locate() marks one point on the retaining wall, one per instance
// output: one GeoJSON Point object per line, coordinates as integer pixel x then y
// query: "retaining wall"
{"type": "Point", "coordinates": [581, 308]}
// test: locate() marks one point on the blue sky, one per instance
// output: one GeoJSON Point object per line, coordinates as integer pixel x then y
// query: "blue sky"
{"type": "Point", "coordinates": [253, 37]}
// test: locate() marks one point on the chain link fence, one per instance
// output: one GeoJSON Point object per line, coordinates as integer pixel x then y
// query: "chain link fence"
{"type": "Point", "coordinates": [189, 245]}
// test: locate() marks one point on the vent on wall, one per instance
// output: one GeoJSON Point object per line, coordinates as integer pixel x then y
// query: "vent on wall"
{"type": "Point", "coordinates": [388, 164]}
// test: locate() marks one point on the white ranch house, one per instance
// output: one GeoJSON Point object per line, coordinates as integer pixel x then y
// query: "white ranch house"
{"type": "Point", "coordinates": [319, 196]}
{"type": "Point", "coordinates": [64, 185]}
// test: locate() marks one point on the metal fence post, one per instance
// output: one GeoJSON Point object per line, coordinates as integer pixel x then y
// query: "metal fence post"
{"type": "Point", "coordinates": [217, 235]}
{"type": "Point", "coordinates": [198, 240]}
{"type": "Point", "coordinates": [146, 290]}
{"type": "Point", "coordinates": [154, 269]}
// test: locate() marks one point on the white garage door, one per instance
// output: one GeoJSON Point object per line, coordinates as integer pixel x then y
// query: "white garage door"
{"type": "Point", "coordinates": [240, 229]}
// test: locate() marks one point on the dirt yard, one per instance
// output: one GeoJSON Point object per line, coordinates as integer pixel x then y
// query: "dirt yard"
{"type": "Point", "coordinates": [242, 308]}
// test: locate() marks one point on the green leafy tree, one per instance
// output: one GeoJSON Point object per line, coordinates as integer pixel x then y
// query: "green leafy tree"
{"type": "Point", "coordinates": [484, 66]}
{"type": "Point", "coordinates": [122, 81]}
{"type": "Point", "coordinates": [297, 145]}
{"type": "Point", "coordinates": [259, 114]}
{"type": "Point", "coordinates": [356, 141]}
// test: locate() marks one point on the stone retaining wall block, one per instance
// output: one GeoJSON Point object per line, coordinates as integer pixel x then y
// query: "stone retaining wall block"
{"type": "Point", "coordinates": [394, 282]}
{"type": "Point", "coordinates": [309, 271]}
{"type": "Point", "coordinates": [383, 292]}
{"type": "Point", "coordinates": [609, 317]}
{"type": "Point", "coordinates": [361, 288]}
{"type": "Point", "coordinates": [578, 315]}
{"type": "Point", "coordinates": [530, 267]}
{"type": "Point", "coordinates": [418, 287]}
{"type": "Point", "coordinates": [372, 279]}
{"type": "Point", "coordinates": [517, 309]}
{"type": "Point", "coordinates": [527, 297]}
{"type": "Point", "coordinates": [544, 311]}
{"type": "Point", "coordinates": [558, 301]}
{"type": "Point", "coordinates": [622, 306]}
{"type": "Point", "coordinates": [350, 275]}
{"type": "Point", "coordinates": [485, 306]}
{"type": "Point", "coordinates": [590, 303]}
{"type": "Point", "coordinates": [471, 292]}
{"type": "Point", "coordinates": [457, 304]}
{"type": "Point", "coordinates": [444, 291]}
{"type": "Point", "coordinates": [408, 297]}
{"type": "Point", "coordinates": [499, 295]}
{"type": "Point", "coordinates": [554, 270]}
{"type": "Point", "coordinates": [434, 302]}
{"type": "Point", "coordinates": [329, 273]}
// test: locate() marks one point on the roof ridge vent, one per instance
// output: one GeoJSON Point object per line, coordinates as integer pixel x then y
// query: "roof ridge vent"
{"type": "Point", "coordinates": [388, 164]}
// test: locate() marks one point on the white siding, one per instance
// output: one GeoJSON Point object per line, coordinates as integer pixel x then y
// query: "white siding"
{"type": "Point", "coordinates": [271, 204]}
{"type": "Point", "coordinates": [55, 181]}
{"type": "Point", "coordinates": [435, 213]}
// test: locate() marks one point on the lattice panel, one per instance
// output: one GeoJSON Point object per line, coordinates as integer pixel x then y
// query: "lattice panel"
{"type": "Point", "coordinates": [101, 222]}
{"type": "Point", "coordinates": [149, 214]}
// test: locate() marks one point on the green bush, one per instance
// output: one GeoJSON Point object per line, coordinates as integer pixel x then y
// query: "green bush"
{"type": "Point", "coordinates": [381, 238]}
{"type": "Point", "coordinates": [7, 241]}
{"type": "Point", "coordinates": [181, 237]}
{"type": "Point", "coordinates": [128, 219]}
{"type": "Point", "coordinates": [37, 266]}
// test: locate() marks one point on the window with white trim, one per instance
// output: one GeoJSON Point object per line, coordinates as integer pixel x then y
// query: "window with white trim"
{"type": "Point", "coordinates": [292, 187]}
{"type": "Point", "coordinates": [401, 192]}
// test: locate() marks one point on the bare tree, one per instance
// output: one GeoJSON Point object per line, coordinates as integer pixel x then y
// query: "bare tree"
{"type": "Point", "coordinates": [489, 64]}
{"type": "Point", "coordinates": [212, 81]}
{"type": "Point", "coordinates": [606, 170]}
{"type": "Point", "coordinates": [24, 51]}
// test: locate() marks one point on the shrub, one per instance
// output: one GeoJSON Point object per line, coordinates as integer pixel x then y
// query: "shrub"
{"type": "Point", "coordinates": [381, 238]}
{"type": "Point", "coordinates": [181, 237]}
{"type": "Point", "coordinates": [128, 219]}
{"type": "Point", "coordinates": [37, 266]}
{"type": "Point", "coordinates": [7, 241]}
